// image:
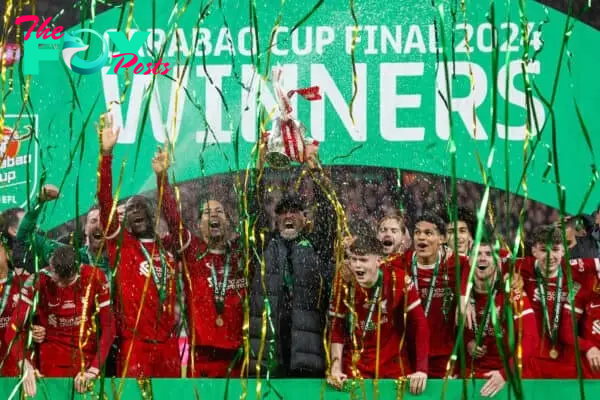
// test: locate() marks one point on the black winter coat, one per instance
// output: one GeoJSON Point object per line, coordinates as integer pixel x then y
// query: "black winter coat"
{"type": "Point", "coordinates": [297, 280]}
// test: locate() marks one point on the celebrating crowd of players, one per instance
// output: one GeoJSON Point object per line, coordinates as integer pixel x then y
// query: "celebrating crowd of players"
{"type": "Point", "coordinates": [390, 309]}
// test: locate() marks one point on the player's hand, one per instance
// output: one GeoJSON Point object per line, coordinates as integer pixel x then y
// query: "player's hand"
{"type": "Point", "coordinates": [38, 333]}
{"type": "Point", "coordinates": [108, 136]}
{"type": "Point", "coordinates": [160, 162]}
{"type": "Point", "coordinates": [48, 193]}
{"type": "Point", "coordinates": [312, 154]}
{"type": "Point", "coordinates": [593, 356]}
{"type": "Point", "coordinates": [476, 351]}
{"type": "Point", "coordinates": [468, 312]}
{"type": "Point", "coordinates": [494, 384]}
{"type": "Point", "coordinates": [29, 379]}
{"type": "Point", "coordinates": [84, 378]}
{"type": "Point", "coordinates": [418, 382]}
{"type": "Point", "coordinates": [337, 378]}
{"type": "Point", "coordinates": [516, 284]}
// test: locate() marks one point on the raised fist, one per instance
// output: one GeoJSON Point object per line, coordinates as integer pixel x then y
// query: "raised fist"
{"type": "Point", "coordinates": [49, 193]}
{"type": "Point", "coordinates": [160, 162]}
{"type": "Point", "coordinates": [108, 136]}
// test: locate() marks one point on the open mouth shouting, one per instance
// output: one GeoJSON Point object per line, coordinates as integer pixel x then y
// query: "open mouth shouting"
{"type": "Point", "coordinates": [97, 234]}
{"type": "Point", "coordinates": [214, 227]}
{"type": "Point", "coordinates": [388, 244]}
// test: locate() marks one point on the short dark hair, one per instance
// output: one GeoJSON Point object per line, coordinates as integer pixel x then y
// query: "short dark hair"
{"type": "Point", "coordinates": [22, 256]}
{"type": "Point", "coordinates": [434, 219]}
{"type": "Point", "coordinates": [585, 220]}
{"type": "Point", "coordinates": [63, 261]}
{"type": "Point", "coordinates": [546, 234]}
{"type": "Point", "coordinates": [367, 244]}
{"type": "Point", "coordinates": [290, 202]}
{"type": "Point", "coordinates": [465, 215]}
{"type": "Point", "coordinates": [488, 237]}
{"type": "Point", "coordinates": [9, 219]}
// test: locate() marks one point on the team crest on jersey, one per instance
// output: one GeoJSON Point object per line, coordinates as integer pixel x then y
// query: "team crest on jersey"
{"type": "Point", "coordinates": [68, 304]}
{"type": "Point", "coordinates": [52, 320]}
{"type": "Point", "coordinates": [15, 299]}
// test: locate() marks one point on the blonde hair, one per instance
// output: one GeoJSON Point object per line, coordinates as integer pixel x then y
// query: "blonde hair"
{"type": "Point", "coordinates": [397, 217]}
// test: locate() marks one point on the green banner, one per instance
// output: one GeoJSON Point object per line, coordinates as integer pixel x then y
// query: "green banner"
{"type": "Point", "coordinates": [299, 389]}
{"type": "Point", "coordinates": [388, 108]}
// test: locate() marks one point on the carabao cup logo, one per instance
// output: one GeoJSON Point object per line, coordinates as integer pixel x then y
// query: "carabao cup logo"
{"type": "Point", "coordinates": [73, 45]}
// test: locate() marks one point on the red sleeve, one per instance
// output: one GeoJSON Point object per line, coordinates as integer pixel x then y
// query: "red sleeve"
{"type": "Point", "coordinates": [417, 323]}
{"type": "Point", "coordinates": [107, 321]}
{"type": "Point", "coordinates": [524, 312]}
{"type": "Point", "coordinates": [105, 198]}
{"type": "Point", "coordinates": [524, 315]}
{"type": "Point", "coordinates": [464, 275]}
{"type": "Point", "coordinates": [566, 327]}
{"type": "Point", "coordinates": [181, 236]}
{"type": "Point", "coordinates": [19, 318]}
{"type": "Point", "coordinates": [584, 270]}
{"type": "Point", "coordinates": [337, 313]}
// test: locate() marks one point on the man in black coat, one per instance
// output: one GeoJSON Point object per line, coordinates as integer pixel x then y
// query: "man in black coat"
{"type": "Point", "coordinates": [290, 291]}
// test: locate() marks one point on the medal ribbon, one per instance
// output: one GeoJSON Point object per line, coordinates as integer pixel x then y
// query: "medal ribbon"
{"type": "Point", "coordinates": [553, 330]}
{"type": "Point", "coordinates": [161, 287]}
{"type": "Point", "coordinates": [6, 293]}
{"type": "Point", "coordinates": [486, 316]}
{"type": "Point", "coordinates": [433, 282]}
{"type": "Point", "coordinates": [219, 292]}
{"type": "Point", "coordinates": [373, 302]}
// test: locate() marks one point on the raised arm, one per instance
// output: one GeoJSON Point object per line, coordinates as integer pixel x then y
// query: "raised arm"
{"type": "Point", "coordinates": [108, 139]}
{"type": "Point", "coordinates": [168, 203]}
{"type": "Point", "coordinates": [27, 232]}
{"type": "Point", "coordinates": [324, 223]}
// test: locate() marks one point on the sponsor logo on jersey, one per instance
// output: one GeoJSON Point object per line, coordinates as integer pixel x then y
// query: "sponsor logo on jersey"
{"type": "Point", "coordinates": [596, 327]}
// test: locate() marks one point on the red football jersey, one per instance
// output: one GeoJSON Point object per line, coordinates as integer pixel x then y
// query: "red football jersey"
{"type": "Point", "coordinates": [587, 311]}
{"type": "Point", "coordinates": [12, 297]}
{"type": "Point", "coordinates": [140, 312]}
{"type": "Point", "coordinates": [199, 291]}
{"type": "Point", "coordinates": [524, 322]}
{"type": "Point", "coordinates": [398, 294]}
{"type": "Point", "coordinates": [581, 269]}
{"type": "Point", "coordinates": [67, 313]}
{"type": "Point", "coordinates": [443, 325]}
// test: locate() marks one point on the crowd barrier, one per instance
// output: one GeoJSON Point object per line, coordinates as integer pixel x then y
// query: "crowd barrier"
{"type": "Point", "coordinates": [297, 389]}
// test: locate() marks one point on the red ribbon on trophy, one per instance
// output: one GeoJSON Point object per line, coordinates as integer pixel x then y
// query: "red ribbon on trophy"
{"type": "Point", "coordinates": [286, 142]}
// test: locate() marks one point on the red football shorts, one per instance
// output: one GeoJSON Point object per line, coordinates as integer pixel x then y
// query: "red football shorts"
{"type": "Point", "coordinates": [138, 358]}
{"type": "Point", "coordinates": [211, 362]}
